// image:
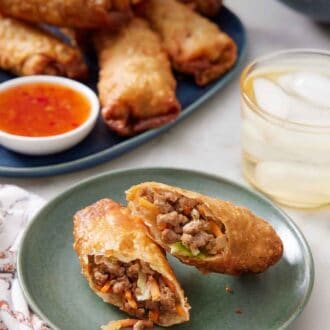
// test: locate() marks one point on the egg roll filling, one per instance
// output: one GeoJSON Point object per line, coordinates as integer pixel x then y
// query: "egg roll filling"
{"type": "Point", "coordinates": [141, 291]}
{"type": "Point", "coordinates": [186, 225]}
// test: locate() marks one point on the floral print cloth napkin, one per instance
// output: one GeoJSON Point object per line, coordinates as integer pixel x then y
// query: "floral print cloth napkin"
{"type": "Point", "coordinates": [17, 207]}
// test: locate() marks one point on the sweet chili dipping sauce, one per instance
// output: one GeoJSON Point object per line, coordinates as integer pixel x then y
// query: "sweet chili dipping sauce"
{"type": "Point", "coordinates": [42, 109]}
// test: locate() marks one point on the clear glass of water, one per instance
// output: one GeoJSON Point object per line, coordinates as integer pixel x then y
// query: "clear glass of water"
{"type": "Point", "coordinates": [285, 126]}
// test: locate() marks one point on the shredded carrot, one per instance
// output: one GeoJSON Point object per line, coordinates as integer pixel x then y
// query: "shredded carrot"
{"type": "Point", "coordinates": [148, 205]}
{"type": "Point", "coordinates": [180, 310]}
{"type": "Point", "coordinates": [106, 287]}
{"type": "Point", "coordinates": [215, 229]}
{"type": "Point", "coordinates": [162, 226]}
{"type": "Point", "coordinates": [154, 289]}
{"type": "Point", "coordinates": [153, 209]}
{"type": "Point", "coordinates": [169, 284]}
{"type": "Point", "coordinates": [153, 316]}
{"type": "Point", "coordinates": [186, 210]}
{"type": "Point", "coordinates": [130, 299]}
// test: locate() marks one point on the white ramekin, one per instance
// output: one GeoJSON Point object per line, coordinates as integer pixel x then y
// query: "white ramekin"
{"type": "Point", "coordinates": [47, 145]}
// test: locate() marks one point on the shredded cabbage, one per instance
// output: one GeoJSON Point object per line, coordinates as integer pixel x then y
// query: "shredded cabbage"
{"type": "Point", "coordinates": [179, 248]}
{"type": "Point", "coordinates": [143, 286]}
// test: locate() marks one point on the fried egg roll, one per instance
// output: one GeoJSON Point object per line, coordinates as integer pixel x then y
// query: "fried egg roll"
{"type": "Point", "coordinates": [70, 13]}
{"type": "Point", "coordinates": [125, 267]}
{"type": "Point", "coordinates": [211, 234]}
{"type": "Point", "coordinates": [136, 84]}
{"type": "Point", "coordinates": [196, 46]}
{"type": "Point", "coordinates": [205, 7]}
{"type": "Point", "coordinates": [28, 50]}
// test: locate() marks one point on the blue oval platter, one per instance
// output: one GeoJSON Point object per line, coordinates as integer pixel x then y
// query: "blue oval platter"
{"type": "Point", "coordinates": [102, 145]}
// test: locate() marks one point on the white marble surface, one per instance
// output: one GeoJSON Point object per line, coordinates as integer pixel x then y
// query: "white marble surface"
{"type": "Point", "coordinates": [209, 140]}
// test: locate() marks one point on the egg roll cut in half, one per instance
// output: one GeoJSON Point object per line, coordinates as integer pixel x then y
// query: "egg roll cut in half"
{"type": "Point", "coordinates": [205, 7]}
{"type": "Point", "coordinates": [125, 267]}
{"type": "Point", "coordinates": [195, 45]}
{"type": "Point", "coordinates": [136, 86]}
{"type": "Point", "coordinates": [28, 50]}
{"type": "Point", "coordinates": [70, 13]}
{"type": "Point", "coordinates": [211, 234]}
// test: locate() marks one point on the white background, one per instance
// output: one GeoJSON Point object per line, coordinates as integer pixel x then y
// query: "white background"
{"type": "Point", "coordinates": [209, 140]}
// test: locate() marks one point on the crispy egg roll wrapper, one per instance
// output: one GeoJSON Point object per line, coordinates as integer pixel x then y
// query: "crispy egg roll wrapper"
{"type": "Point", "coordinates": [107, 229]}
{"type": "Point", "coordinates": [196, 46]}
{"type": "Point", "coordinates": [70, 13]}
{"type": "Point", "coordinates": [28, 50]}
{"type": "Point", "coordinates": [205, 7]}
{"type": "Point", "coordinates": [136, 84]}
{"type": "Point", "coordinates": [248, 243]}
{"type": "Point", "coordinates": [128, 324]}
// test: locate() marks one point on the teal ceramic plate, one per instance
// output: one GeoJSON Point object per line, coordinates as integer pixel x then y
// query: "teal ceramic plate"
{"type": "Point", "coordinates": [50, 276]}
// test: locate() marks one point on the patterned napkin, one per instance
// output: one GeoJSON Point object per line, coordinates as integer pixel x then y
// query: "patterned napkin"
{"type": "Point", "coordinates": [17, 207]}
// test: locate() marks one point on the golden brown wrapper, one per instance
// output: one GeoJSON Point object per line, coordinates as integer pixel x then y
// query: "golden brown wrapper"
{"type": "Point", "coordinates": [205, 7]}
{"type": "Point", "coordinates": [136, 85]}
{"type": "Point", "coordinates": [252, 243]}
{"type": "Point", "coordinates": [28, 50]}
{"type": "Point", "coordinates": [128, 323]}
{"type": "Point", "coordinates": [70, 13]}
{"type": "Point", "coordinates": [108, 229]}
{"type": "Point", "coordinates": [195, 45]}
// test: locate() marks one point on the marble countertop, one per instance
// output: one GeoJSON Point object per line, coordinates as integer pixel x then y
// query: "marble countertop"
{"type": "Point", "coordinates": [209, 140]}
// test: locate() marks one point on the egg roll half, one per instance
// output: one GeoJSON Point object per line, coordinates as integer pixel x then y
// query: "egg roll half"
{"type": "Point", "coordinates": [28, 50]}
{"type": "Point", "coordinates": [195, 45]}
{"type": "Point", "coordinates": [136, 86]}
{"type": "Point", "coordinates": [211, 234]}
{"type": "Point", "coordinates": [125, 267]}
{"type": "Point", "coordinates": [70, 13]}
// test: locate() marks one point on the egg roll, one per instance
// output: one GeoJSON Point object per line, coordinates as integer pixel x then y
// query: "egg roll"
{"type": "Point", "coordinates": [206, 7]}
{"type": "Point", "coordinates": [70, 13]}
{"type": "Point", "coordinates": [211, 234]}
{"type": "Point", "coordinates": [136, 84]}
{"type": "Point", "coordinates": [28, 50]}
{"type": "Point", "coordinates": [196, 46]}
{"type": "Point", "coordinates": [125, 267]}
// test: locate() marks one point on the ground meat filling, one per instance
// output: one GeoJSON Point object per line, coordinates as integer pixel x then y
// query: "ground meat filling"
{"type": "Point", "coordinates": [143, 291]}
{"type": "Point", "coordinates": [184, 220]}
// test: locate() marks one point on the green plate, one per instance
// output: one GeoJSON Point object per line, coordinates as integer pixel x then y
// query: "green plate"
{"type": "Point", "coordinates": [50, 276]}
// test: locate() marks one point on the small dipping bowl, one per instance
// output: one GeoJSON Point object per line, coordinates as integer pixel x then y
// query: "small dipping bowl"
{"type": "Point", "coordinates": [285, 126]}
{"type": "Point", "coordinates": [46, 145]}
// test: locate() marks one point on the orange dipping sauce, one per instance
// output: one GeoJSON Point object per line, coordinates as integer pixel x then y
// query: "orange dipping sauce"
{"type": "Point", "coordinates": [42, 109]}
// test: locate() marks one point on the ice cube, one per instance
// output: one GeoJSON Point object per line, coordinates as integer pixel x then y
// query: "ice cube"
{"type": "Point", "coordinates": [265, 140]}
{"type": "Point", "coordinates": [271, 98]}
{"type": "Point", "coordinates": [306, 113]}
{"type": "Point", "coordinates": [311, 86]}
{"type": "Point", "coordinates": [294, 181]}
{"type": "Point", "coordinates": [283, 102]}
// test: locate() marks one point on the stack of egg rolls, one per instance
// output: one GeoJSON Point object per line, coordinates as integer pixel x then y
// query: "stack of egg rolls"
{"type": "Point", "coordinates": [137, 88]}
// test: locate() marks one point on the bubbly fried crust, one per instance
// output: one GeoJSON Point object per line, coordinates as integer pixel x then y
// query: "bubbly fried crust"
{"type": "Point", "coordinates": [27, 50]}
{"type": "Point", "coordinates": [70, 13]}
{"type": "Point", "coordinates": [205, 7]}
{"type": "Point", "coordinates": [128, 323]}
{"type": "Point", "coordinates": [252, 244]}
{"type": "Point", "coordinates": [195, 45]}
{"type": "Point", "coordinates": [108, 229]}
{"type": "Point", "coordinates": [136, 86]}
